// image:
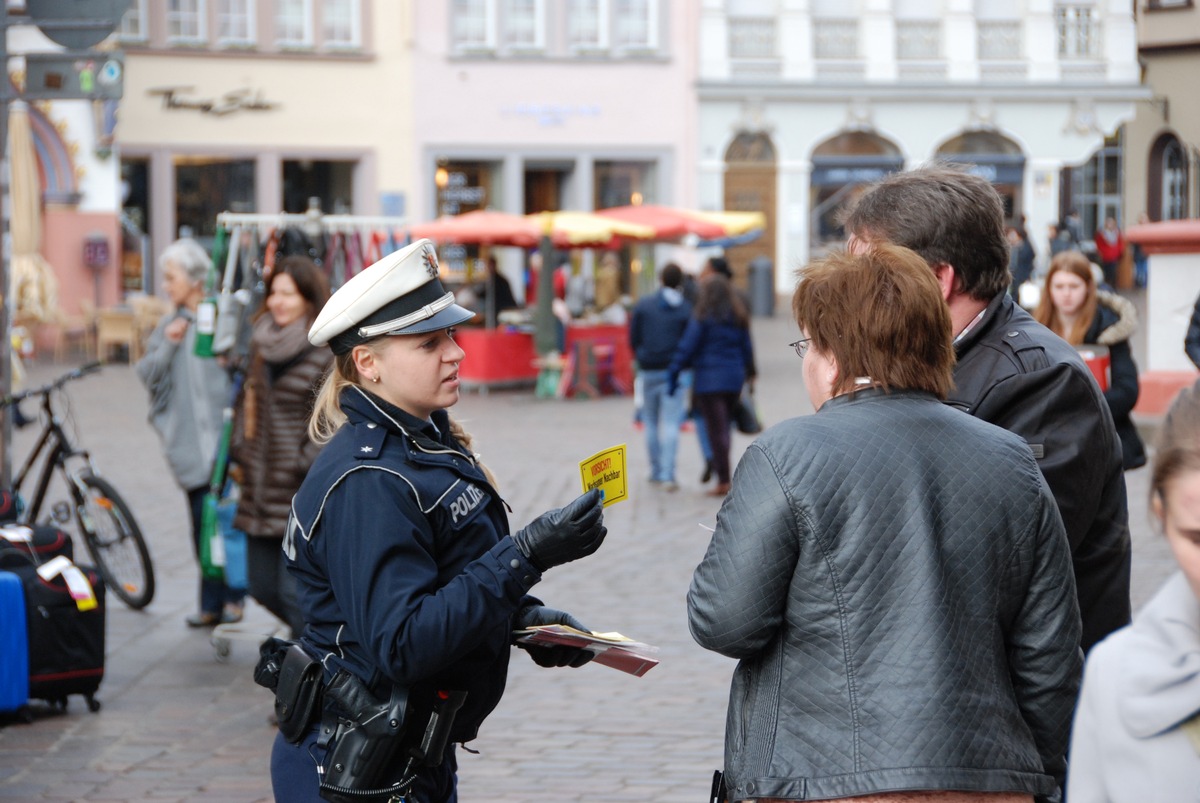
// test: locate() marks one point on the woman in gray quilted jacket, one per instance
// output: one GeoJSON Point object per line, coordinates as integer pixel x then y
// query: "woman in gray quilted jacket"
{"type": "Point", "coordinates": [892, 574]}
{"type": "Point", "coordinates": [271, 448]}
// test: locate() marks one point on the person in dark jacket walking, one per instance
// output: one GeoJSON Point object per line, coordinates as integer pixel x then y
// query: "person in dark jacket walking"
{"type": "Point", "coordinates": [893, 576]}
{"type": "Point", "coordinates": [655, 330]}
{"type": "Point", "coordinates": [270, 449]}
{"type": "Point", "coordinates": [717, 347]}
{"type": "Point", "coordinates": [407, 575]}
{"type": "Point", "coordinates": [1012, 371]}
{"type": "Point", "coordinates": [1071, 308]}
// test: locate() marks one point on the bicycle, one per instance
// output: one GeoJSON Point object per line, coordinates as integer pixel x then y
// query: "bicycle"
{"type": "Point", "coordinates": [110, 532]}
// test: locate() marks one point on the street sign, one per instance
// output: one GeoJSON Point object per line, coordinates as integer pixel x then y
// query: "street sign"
{"type": "Point", "coordinates": [74, 76]}
{"type": "Point", "coordinates": [77, 24]}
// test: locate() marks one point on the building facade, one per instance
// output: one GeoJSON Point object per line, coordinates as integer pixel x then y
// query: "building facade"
{"type": "Point", "coordinates": [534, 105]}
{"type": "Point", "coordinates": [1162, 142]}
{"type": "Point", "coordinates": [258, 106]}
{"type": "Point", "coordinates": [802, 102]}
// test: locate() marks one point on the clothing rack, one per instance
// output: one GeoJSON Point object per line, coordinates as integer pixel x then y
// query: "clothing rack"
{"type": "Point", "coordinates": [327, 222]}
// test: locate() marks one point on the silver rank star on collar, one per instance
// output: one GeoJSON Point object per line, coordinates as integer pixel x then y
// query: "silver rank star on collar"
{"type": "Point", "coordinates": [366, 449]}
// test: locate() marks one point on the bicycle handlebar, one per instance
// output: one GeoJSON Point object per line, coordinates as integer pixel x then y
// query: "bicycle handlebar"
{"type": "Point", "coordinates": [44, 390]}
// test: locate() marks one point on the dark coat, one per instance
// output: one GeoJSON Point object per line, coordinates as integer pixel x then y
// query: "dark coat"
{"type": "Point", "coordinates": [1191, 341]}
{"type": "Point", "coordinates": [655, 330]}
{"type": "Point", "coordinates": [1122, 393]}
{"type": "Point", "coordinates": [404, 568]}
{"type": "Point", "coordinates": [895, 580]}
{"type": "Point", "coordinates": [1017, 374]}
{"type": "Point", "coordinates": [275, 460]}
{"type": "Point", "coordinates": [720, 354]}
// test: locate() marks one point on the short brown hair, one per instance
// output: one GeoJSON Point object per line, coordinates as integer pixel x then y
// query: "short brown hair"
{"type": "Point", "coordinates": [946, 215]}
{"type": "Point", "coordinates": [879, 314]}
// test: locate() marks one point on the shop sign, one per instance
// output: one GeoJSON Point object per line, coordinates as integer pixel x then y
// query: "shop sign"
{"type": "Point", "coordinates": [175, 97]}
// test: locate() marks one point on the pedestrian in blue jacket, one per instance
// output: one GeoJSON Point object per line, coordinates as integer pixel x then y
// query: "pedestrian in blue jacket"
{"type": "Point", "coordinates": [655, 330]}
{"type": "Point", "coordinates": [716, 345]}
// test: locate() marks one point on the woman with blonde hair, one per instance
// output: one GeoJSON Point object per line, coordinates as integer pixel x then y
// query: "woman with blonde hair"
{"type": "Point", "coordinates": [1071, 308]}
{"type": "Point", "coordinates": [410, 583]}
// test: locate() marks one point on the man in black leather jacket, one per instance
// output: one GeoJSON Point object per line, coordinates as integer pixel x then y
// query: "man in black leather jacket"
{"type": "Point", "coordinates": [1014, 372]}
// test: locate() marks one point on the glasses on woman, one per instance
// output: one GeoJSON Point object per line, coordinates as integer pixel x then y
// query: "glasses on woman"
{"type": "Point", "coordinates": [801, 346]}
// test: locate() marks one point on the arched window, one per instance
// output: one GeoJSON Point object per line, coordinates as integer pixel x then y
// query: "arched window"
{"type": "Point", "coordinates": [1167, 180]}
{"type": "Point", "coordinates": [842, 165]}
{"type": "Point", "coordinates": [992, 156]}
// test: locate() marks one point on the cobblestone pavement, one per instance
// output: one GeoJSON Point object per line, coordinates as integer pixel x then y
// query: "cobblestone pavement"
{"type": "Point", "coordinates": [179, 725]}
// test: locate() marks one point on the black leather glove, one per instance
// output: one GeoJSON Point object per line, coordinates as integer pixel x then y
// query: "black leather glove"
{"type": "Point", "coordinates": [563, 535]}
{"type": "Point", "coordinates": [556, 654]}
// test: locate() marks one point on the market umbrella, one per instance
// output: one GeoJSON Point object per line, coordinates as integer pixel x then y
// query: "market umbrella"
{"type": "Point", "coordinates": [32, 281]}
{"type": "Point", "coordinates": [589, 230]}
{"type": "Point", "coordinates": [481, 227]}
{"type": "Point", "coordinates": [670, 224]}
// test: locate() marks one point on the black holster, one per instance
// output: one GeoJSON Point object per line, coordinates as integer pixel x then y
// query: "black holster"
{"type": "Point", "coordinates": [369, 741]}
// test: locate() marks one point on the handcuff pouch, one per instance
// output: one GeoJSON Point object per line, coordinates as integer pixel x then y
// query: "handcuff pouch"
{"type": "Point", "coordinates": [298, 695]}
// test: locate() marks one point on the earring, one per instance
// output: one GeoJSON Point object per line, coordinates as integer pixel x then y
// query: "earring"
{"type": "Point", "coordinates": [375, 379]}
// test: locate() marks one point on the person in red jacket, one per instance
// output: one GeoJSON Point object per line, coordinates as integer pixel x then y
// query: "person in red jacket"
{"type": "Point", "coordinates": [1110, 245]}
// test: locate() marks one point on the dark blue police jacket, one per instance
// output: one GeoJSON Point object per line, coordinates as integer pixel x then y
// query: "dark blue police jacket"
{"type": "Point", "coordinates": [405, 571]}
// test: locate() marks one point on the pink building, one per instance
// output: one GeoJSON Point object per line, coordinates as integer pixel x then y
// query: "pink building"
{"type": "Point", "coordinates": [533, 106]}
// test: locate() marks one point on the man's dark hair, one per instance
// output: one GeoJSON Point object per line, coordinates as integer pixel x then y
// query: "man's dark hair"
{"type": "Point", "coordinates": [719, 265]}
{"type": "Point", "coordinates": [946, 215]}
{"type": "Point", "coordinates": [672, 275]}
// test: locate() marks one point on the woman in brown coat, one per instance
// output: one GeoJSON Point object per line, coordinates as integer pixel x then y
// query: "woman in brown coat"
{"type": "Point", "coordinates": [271, 447]}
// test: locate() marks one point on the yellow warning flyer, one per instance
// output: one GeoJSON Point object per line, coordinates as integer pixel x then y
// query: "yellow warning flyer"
{"type": "Point", "coordinates": [606, 470]}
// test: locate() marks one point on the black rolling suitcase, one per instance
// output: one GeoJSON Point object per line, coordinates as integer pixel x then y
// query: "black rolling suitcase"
{"type": "Point", "coordinates": [65, 614]}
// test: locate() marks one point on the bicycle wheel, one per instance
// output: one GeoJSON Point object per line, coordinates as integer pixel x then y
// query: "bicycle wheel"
{"type": "Point", "coordinates": [115, 542]}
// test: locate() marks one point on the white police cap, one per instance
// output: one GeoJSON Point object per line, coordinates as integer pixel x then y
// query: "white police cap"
{"type": "Point", "coordinates": [398, 295]}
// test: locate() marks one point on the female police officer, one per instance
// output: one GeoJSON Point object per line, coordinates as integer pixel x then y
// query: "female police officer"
{"type": "Point", "coordinates": [408, 578]}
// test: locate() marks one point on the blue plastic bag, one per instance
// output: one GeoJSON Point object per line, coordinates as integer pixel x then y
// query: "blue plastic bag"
{"type": "Point", "coordinates": [235, 539]}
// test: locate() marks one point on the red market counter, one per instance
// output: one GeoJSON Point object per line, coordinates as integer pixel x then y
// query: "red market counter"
{"type": "Point", "coordinates": [496, 358]}
{"type": "Point", "coordinates": [602, 360]}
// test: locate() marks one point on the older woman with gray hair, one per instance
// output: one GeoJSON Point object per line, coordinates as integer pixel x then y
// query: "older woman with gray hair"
{"type": "Point", "coordinates": [187, 395]}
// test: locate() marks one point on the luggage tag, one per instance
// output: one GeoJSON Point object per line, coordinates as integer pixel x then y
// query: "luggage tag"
{"type": "Point", "coordinates": [77, 583]}
{"type": "Point", "coordinates": [17, 533]}
{"type": "Point", "coordinates": [606, 470]}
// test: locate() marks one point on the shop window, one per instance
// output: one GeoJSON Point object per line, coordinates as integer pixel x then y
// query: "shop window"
{"type": "Point", "coordinates": [185, 21]}
{"type": "Point", "coordinates": [623, 183]}
{"type": "Point", "coordinates": [134, 25]}
{"type": "Point", "coordinates": [1078, 26]}
{"type": "Point", "coordinates": [472, 24]}
{"type": "Point", "coordinates": [464, 186]}
{"type": "Point", "coordinates": [587, 24]}
{"type": "Point", "coordinates": [293, 23]}
{"type": "Point", "coordinates": [341, 24]}
{"type": "Point", "coordinates": [636, 24]}
{"type": "Point", "coordinates": [235, 22]}
{"type": "Point", "coordinates": [331, 182]}
{"type": "Point", "coordinates": [205, 187]}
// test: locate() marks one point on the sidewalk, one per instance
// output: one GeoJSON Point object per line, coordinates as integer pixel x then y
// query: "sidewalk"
{"type": "Point", "coordinates": [178, 725]}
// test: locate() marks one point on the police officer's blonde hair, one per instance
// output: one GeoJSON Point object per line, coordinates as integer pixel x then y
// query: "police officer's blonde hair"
{"type": "Point", "coordinates": [327, 417]}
